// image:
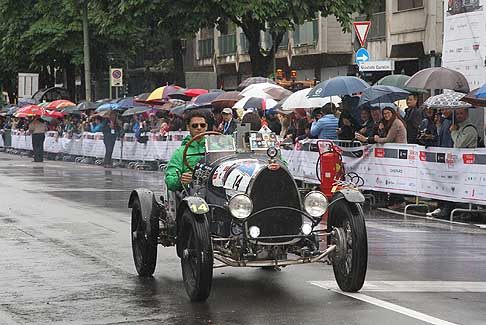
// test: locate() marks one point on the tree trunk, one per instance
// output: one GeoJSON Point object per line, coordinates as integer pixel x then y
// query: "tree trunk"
{"type": "Point", "coordinates": [178, 57]}
{"type": "Point", "coordinates": [261, 65]}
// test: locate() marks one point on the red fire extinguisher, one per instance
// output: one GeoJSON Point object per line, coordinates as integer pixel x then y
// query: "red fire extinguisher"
{"type": "Point", "coordinates": [331, 166]}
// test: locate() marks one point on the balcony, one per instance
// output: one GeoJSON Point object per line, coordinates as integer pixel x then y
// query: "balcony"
{"type": "Point", "coordinates": [227, 44]}
{"type": "Point", "coordinates": [206, 48]}
{"type": "Point", "coordinates": [378, 25]}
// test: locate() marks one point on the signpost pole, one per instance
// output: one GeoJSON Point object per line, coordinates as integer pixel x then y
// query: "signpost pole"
{"type": "Point", "coordinates": [87, 68]}
{"type": "Point", "coordinates": [109, 74]}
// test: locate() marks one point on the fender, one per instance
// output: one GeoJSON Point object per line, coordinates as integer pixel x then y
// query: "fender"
{"type": "Point", "coordinates": [198, 208]}
{"type": "Point", "coordinates": [352, 195]}
{"type": "Point", "coordinates": [148, 204]}
{"type": "Point", "coordinates": [196, 204]}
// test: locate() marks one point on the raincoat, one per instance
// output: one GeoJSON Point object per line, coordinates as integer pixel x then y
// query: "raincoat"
{"type": "Point", "coordinates": [176, 166]}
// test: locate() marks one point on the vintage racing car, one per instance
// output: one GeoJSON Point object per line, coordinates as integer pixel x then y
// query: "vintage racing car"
{"type": "Point", "coordinates": [244, 209]}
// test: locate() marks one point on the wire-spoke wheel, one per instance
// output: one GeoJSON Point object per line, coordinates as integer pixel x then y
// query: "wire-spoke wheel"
{"type": "Point", "coordinates": [350, 268]}
{"type": "Point", "coordinates": [197, 255]}
{"type": "Point", "coordinates": [144, 241]}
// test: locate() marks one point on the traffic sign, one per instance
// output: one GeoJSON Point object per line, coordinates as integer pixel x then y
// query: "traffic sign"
{"type": "Point", "coordinates": [362, 56]}
{"type": "Point", "coordinates": [383, 65]}
{"type": "Point", "coordinates": [362, 28]}
{"type": "Point", "coordinates": [116, 77]}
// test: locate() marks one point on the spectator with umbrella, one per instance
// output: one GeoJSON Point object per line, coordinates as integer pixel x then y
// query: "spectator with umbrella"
{"type": "Point", "coordinates": [38, 129]}
{"type": "Point", "coordinates": [326, 126]}
{"type": "Point", "coordinates": [413, 118]}
{"type": "Point", "coordinates": [111, 130]}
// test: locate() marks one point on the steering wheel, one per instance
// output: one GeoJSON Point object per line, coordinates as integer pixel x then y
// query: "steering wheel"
{"type": "Point", "coordinates": [197, 137]}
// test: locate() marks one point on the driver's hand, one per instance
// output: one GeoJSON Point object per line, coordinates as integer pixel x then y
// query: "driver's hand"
{"type": "Point", "coordinates": [186, 178]}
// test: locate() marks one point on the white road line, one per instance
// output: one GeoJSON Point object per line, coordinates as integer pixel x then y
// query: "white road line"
{"type": "Point", "coordinates": [387, 305]}
{"type": "Point", "coordinates": [393, 228]}
{"type": "Point", "coordinates": [413, 286]}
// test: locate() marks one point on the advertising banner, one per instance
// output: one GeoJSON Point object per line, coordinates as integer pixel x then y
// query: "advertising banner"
{"type": "Point", "coordinates": [464, 46]}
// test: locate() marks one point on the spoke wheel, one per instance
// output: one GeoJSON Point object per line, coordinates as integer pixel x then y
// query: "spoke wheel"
{"type": "Point", "coordinates": [197, 256]}
{"type": "Point", "coordinates": [144, 241]}
{"type": "Point", "coordinates": [350, 268]}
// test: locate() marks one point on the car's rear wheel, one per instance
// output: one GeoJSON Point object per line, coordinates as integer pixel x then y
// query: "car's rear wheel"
{"type": "Point", "coordinates": [197, 255]}
{"type": "Point", "coordinates": [144, 240]}
{"type": "Point", "coordinates": [349, 265]}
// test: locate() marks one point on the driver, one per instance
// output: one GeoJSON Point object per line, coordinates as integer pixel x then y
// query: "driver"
{"type": "Point", "coordinates": [177, 173]}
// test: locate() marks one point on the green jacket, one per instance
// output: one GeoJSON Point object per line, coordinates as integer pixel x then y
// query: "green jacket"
{"type": "Point", "coordinates": [172, 178]}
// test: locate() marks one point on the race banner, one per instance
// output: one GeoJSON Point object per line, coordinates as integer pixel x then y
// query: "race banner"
{"type": "Point", "coordinates": [464, 45]}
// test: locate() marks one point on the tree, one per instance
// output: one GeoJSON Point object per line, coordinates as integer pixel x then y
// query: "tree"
{"type": "Point", "coordinates": [277, 17]}
{"type": "Point", "coordinates": [186, 17]}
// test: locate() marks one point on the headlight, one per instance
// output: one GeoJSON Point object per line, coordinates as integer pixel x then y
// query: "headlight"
{"type": "Point", "coordinates": [315, 203]}
{"type": "Point", "coordinates": [306, 229]}
{"type": "Point", "coordinates": [254, 231]}
{"type": "Point", "coordinates": [240, 206]}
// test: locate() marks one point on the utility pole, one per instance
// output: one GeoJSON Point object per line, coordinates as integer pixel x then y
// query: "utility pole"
{"type": "Point", "coordinates": [87, 68]}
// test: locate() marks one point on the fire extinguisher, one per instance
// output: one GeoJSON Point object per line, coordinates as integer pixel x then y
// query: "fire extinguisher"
{"type": "Point", "coordinates": [331, 166]}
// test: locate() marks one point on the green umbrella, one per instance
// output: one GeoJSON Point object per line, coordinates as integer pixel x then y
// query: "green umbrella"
{"type": "Point", "coordinates": [398, 80]}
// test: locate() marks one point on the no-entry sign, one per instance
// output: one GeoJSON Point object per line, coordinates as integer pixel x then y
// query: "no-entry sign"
{"type": "Point", "coordinates": [116, 77]}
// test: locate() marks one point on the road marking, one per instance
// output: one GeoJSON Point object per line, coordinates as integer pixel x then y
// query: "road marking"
{"type": "Point", "coordinates": [387, 305]}
{"type": "Point", "coordinates": [412, 286]}
{"type": "Point", "coordinates": [393, 228]}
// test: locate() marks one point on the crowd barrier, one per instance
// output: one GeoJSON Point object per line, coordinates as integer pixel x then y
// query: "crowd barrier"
{"type": "Point", "coordinates": [441, 173]}
{"type": "Point", "coordinates": [157, 148]}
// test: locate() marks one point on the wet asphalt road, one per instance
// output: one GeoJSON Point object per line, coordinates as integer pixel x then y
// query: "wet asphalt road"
{"type": "Point", "coordinates": [65, 257]}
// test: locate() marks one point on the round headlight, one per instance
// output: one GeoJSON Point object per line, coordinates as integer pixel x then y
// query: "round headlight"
{"type": "Point", "coordinates": [306, 229]}
{"type": "Point", "coordinates": [315, 203]}
{"type": "Point", "coordinates": [254, 231]}
{"type": "Point", "coordinates": [240, 206]}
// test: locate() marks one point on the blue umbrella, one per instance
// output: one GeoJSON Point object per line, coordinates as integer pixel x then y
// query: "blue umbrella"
{"type": "Point", "coordinates": [477, 97]}
{"type": "Point", "coordinates": [338, 86]}
{"type": "Point", "coordinates": [125, 103]}
{"type": "Point", "coordinates": [379, 94]}
{"type": "Point", "coordinates": [108, 106]}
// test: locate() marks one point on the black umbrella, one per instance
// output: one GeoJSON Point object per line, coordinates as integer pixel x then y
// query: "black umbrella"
{"type": "Point", "coordinates": [206, 99]}
{"type": "Point", "coordinates": [85, 106]}
{"type": "Point", "coordinates": [382, 94]}
{"type": "Point", "coordinates": [338, 86]}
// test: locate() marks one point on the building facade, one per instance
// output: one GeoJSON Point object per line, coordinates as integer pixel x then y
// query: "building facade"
{"type": "Point", "coordinates": [408, 32]}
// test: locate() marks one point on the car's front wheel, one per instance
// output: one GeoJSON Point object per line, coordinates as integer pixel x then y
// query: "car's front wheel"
{"type": "Point", "coordinates": [350, 263]}
{"type": "Point", "coordinates": [197, 255]}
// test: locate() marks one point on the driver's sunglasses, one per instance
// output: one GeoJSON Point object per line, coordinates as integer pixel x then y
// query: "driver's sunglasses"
{"type": "Point", "coordinates": [201, 125]}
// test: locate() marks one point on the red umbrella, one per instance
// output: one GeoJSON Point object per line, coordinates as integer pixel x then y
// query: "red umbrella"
{"type": "Point", "coordinates": [60, 103]}
{"type": "Point", "coordinates": [195, 92]}
{"type": "Point", "coordinates": [30, 110]}
{"type": "Point", "coordinates": [54, 114]}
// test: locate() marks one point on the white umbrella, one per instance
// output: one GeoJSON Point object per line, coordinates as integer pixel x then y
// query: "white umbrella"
{"type": "Point", "coordinates": [257, 90]}
{"type": "Point", "coordinates": [299, 99]}
{"type": "Point", "coordinates": [255, 102]}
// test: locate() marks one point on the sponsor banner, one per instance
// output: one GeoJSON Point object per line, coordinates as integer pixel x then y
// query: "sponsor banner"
{"type": "Point", "coordinates": [464, 42]}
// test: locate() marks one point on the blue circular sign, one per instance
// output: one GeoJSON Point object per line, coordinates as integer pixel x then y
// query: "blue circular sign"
{"type": "Point", "coordinates": [362, 55]}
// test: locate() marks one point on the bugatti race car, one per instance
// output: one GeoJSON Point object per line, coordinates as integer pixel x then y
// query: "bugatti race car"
{"type": "Point", "coordinates": [244, 209]}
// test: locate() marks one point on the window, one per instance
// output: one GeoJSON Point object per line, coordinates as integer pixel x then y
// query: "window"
{"type": "Point", "coordinates": [307, 33]}
{"type": "Point", "coordinates": [243, 43]}
{"type": "Point", "coordinates": [227, 44]}
{"type": "Point", "coordinates": [206, 48]}
{"type": "Point", "coordinates": [409, 4]}
{"type": "Point", "coordinates": [268, 44]}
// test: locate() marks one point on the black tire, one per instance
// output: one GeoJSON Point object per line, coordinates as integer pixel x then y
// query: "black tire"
{"type": "Point", "coordinates": [197, 255]}
{"type": "Point", "coordinates": [144, 241]}
{"type": "Point", "coordinates": [350, 272]}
